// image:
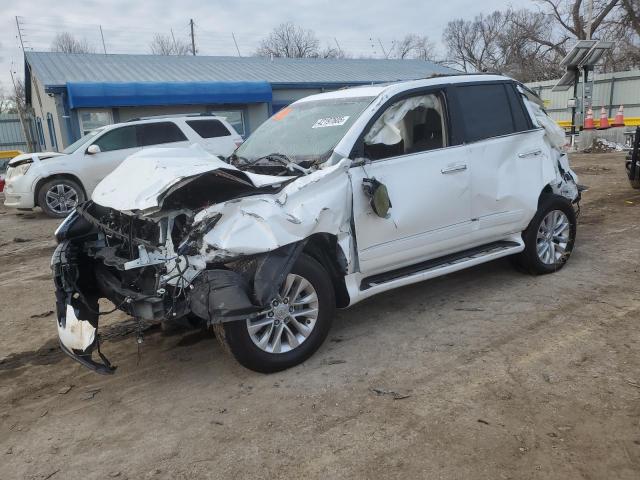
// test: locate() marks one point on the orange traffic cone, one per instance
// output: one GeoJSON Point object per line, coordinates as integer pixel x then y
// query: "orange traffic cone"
{"type": "Point", "coordinates": [588, 122]}
{"type": "Point", "coordinates": [604, 120]}
{"type": "Point", "coordinates": [619, 120]}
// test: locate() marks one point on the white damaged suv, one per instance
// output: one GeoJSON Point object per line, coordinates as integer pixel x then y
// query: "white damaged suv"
{"type": "Point", "coordinates": [336, 198]}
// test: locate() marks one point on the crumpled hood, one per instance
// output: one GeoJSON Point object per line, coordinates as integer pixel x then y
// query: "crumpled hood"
{"type": "Point", "coordinates": [34, 157]}
{"type": "Point", "coordinates": [138, 183]}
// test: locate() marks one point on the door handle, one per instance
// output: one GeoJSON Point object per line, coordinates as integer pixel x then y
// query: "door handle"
{"type": "Point", "coordinates": [535, 153]}
{"type": "Point", "coordinates": [453, 169]}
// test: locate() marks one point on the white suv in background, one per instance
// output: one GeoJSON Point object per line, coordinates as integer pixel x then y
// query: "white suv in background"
{"type": "Point", "coordinates": [57, 182]}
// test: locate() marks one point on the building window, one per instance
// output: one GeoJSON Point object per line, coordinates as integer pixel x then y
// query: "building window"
{"type": "Point", "coordinates": [92, 119]}
{"type": "Point", "coordinates": [43, 145]}
{"type": "Point", "coordinates": [234, 117]}
{"type": "Point", "coordinates": [52, 132]}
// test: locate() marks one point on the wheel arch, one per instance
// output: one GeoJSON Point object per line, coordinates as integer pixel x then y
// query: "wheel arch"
{"type": "Point", "coordinates": [42, 181]}
{"type": "Point", "coordinates": [324, 248]}
{"type": "Point", "coordinates": [547, 190]}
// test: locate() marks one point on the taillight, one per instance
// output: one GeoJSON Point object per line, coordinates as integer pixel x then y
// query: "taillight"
{"type": "Point", "coordinates": [238, 142]}
{"type": "Point", "coordinates": [1, 184]}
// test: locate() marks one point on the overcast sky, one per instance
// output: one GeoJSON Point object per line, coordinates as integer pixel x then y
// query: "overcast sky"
{"type": "Point", "coordinates": [129, 25]}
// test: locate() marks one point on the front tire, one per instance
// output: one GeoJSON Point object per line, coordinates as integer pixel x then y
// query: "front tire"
{"type": "Point", "coordinates": [296, 325]}
{"type": "Point", "coordinates": [59, 196]}
{"type": "Point", "coordinates": [550, 236]}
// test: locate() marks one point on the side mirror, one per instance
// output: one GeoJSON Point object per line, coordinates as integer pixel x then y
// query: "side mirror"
{"type": "Point", "coordinates": [378, 196]}
{"type": "Point", "coordinates": [93, 149]}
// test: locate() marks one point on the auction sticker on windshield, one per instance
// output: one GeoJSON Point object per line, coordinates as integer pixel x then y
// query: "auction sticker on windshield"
{"type": "Point", "coordinates": [330, 122]}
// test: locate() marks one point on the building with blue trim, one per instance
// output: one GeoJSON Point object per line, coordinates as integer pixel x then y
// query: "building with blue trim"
{"type": "Point", "coordinates": [72, 94]}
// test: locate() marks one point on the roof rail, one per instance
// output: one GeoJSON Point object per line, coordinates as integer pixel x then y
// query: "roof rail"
{"type": "Point", "coordinates": [181, 115]}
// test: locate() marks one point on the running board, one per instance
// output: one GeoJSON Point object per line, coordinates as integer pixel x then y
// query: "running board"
{"type": "Point", "coordinates": [441, 265]}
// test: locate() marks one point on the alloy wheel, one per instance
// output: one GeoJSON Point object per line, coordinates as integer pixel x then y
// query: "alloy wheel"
{"type": "Point", "coordinates": [553, 237]}
{"type": "Point", "coordinates": [61, 198]}
{"type": "Point", "coordinates": [290, 320]}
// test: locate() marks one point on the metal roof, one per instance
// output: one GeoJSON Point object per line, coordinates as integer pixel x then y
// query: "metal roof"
{"type": "Point", "coordinates": [55, 69]}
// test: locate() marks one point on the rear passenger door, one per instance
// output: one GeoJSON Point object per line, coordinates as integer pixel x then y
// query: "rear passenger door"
{"type": "Point", "coordinates": [216, 137]}
{"type": "Point", "coordinates": [505, 156]}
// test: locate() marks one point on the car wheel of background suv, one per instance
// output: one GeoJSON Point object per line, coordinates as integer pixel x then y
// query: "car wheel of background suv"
{"type": "Point", "coordinates": [59, 196]}
{"type": "Point", "coordinates": [550, 236]}
{"type": "Point", "coordinates": [293, 329]}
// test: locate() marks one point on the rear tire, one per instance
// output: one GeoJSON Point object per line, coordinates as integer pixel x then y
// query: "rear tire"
{"type": "Point", "coordinates": [550, 236]}
{"type": "Point", "coordinates": [59, 196]}
{"type": "Point", "coordinates": [308, 332]}
{"type": "Point", "coordinates": [635, 184]}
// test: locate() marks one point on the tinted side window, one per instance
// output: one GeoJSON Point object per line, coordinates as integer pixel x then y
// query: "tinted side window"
{"type": "Point", "coordinates": [118, 139]}
{"type": "Point", "coordinates": [158, 133]}
{"type": "Point", "coordinates": [209, 128]}
{"type": "Point", "coordinates": [521, 118]}
{"type": "Point", "coordinates": [486, 111]}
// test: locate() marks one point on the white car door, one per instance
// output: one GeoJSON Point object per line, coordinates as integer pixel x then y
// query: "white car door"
{"type": "Point", "coordinates": [115, 145]}
{"type": "Point", "coordinates": [428, 182]}
{"type": "Point", "coordinates": [506, 157]}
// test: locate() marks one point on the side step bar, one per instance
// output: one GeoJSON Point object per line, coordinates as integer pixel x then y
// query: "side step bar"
{"type": "Point", "coordinates": [442, 265]}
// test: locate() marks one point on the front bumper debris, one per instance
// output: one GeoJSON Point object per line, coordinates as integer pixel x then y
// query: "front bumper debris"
{"type": "Point", "coordinates": [86, 269]}
{"type": "Point", "coordinates": [76, 313]}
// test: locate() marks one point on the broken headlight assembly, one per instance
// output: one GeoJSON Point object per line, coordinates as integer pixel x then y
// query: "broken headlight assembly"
{"type": "Point", "coordinates": [19, 169]}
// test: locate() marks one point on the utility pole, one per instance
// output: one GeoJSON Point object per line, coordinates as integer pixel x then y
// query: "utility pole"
{"type": "Point", "coordinates": [102, 36]}
{"type": "Point", "coordinates": [19, 33]}
{"type": "Point", "coordinates": [234, 41]}
{"type": "Point", "coordinates": [193, 38]}
{"type": "Point", "coordinates": [175, 45]}
{"type": "Point", "coordinates": [21, 114]}
{"type": "Point", "coordinates": [383, 50]}
{"type": "Point", "coordinates": [587, 90]}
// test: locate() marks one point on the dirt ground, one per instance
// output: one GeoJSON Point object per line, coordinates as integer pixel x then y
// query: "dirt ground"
{"type": "Point", "coordinates": [504, 376]}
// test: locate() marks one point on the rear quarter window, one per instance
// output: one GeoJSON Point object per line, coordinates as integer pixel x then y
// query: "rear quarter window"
{"type": "Point", "coordinates": [487, 111]}
{"type": "Point", "coordinates": [209, 128]}
{"type": "Point", "coordinates": [159, 133]}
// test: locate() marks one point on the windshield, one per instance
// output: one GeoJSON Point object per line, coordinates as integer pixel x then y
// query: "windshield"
{"type": "Point", "coordinates": [304, 132]}
{"type": "Point", "coordinates": [78, 143]}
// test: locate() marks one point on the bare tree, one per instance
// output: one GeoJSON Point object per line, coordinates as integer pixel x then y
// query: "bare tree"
{"type": "Point", "coordinates": [529, 45]}
{"type": "Point", "coordinates": [413, 46]}
{"type": "Point", "coordinates": [568, 14]}
{"type": "Point", "coordinates": [528, 52]}
{"type": "Point", "coordinates": [631, 14]}
{"type": "Point", "coordinates": [332, 52]}
{"type": "Point", "coordinates": [290, 41]}
{"type": "Point", "coordinates": [473, 45]}
{"type": "Point", "coordinates": [17, 98]}
{"type": "Point", "coordinates": [67, 43]}
{"type": "Point", "coordinates": [168, 45]}
{"type": "Point", "coordinates": [6, 103]}
{"type": "Point", "coordinates": [514, 42]}
{"type": "Point", "coordinates": [611, 20]}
